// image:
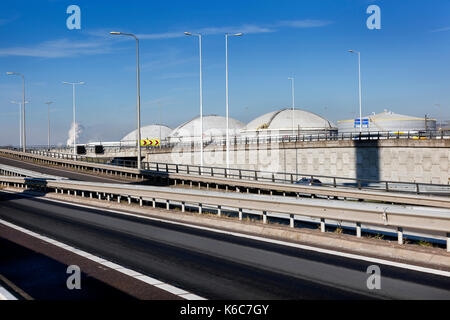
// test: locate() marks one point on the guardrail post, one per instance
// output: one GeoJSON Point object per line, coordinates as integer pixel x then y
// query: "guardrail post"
{"type": "Point", "coordinates": [183, 206]}
{"type": "Point", "coordinates": [358, 230]}
{"type": "Point", "coordinates": [118, 199]}
{"type": "Point", "coordinates": [387, 186]}
{"type": "Point", "coordinates": [176, 168]}
{"type": "Point", "coordinates": [200, 208]}
{"type": "Point", "coordinates": [219, 211]}
{"type": "Point", "coordinates": [417, 188]}
{"type": "Point", "coordinates": [265, 217]}
{"type": "Point", "coordinates": [334, 182]}
{"type": "Point", "coordinates": [240, 174]}
{"type": "Point", "coordinates": [240, 214]}
{"type": "Point", "coordinates": [256, 175]}
{"type": "Point", "coordinates": [448, 242]}
{"type": "Point", "coordinates": [168, 204]}
{"type": "Point", "coordinates": [322, 225]}
{"type": "Point", "coordinates": [141, 202]}
{"type": "Point", "coordinates": [400, 235]}
{"type": "Point", "coordinates": [291, 221]}
{"type": "Point", "coordinates": [154, 203]}
{"type": "Point", "coordinates": [129, 200]}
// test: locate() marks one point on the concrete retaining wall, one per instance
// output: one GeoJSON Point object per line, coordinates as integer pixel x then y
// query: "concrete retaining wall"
{"type": "Point", "coordinates": [426, 161]}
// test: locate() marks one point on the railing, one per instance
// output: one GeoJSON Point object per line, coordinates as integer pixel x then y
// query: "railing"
{"type": "Point", "coordinates": [263, 176]}
{"type": "Point", "coordinates": [353, 212]}
{"type": "Point", "coordinates": [263, 138]}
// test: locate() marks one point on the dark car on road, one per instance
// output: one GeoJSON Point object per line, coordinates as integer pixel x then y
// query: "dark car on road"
{"type": "Point", "coordinates": [309, 182]}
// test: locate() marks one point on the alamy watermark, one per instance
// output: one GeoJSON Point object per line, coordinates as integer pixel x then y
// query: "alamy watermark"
{"type": "Point", "coordinates": [374, 280]}
{"type": "Point", "coordinates": [74, 280]}
{"type": "Point", "coordinates": [374, 21]}
{"type": "Point", "coordinates": [74, 20]}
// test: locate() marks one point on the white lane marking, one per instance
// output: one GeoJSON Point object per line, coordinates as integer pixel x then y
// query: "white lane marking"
{"type": "Point", "coordinates": [6, 295]}
{"type": "Point", "coordinates": [258, 238]}
{"type": "Point", "coordinates": [131, 273]}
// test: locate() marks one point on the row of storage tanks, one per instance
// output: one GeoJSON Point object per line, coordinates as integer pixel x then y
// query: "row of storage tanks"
{"type": "Point", "coordinates": [282, 123]}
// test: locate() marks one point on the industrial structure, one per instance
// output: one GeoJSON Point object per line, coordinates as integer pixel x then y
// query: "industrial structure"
{"type": "Point", "coordinates": [288, 122]}
{"type": "Point", "coordinates": [214, 127]}
{"type": "Point", "coordinates": [388, 121]}
{"type": "Point", "coordinates": [154, 131]}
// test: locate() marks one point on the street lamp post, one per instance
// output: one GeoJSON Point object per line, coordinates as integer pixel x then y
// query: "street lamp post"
{"type": "Point", "coordinates": [74, 122]}
{"type": "Point", "coordinates": [20, 121]}
{"type": "Point", "coordinates": [138, 96]}
{"type": "Point", "coordinates": [293, 102]}
{"type": "Point", "coordinates": [48, 133]}
{"type": "Point", "coordinates": [24, 143]}
{"type": "Point", "coordinates": [201, 94]}
{"type": "Point", "coordinates": [227, 101]}
{"type": "Point", "coordinates": [359, 80]}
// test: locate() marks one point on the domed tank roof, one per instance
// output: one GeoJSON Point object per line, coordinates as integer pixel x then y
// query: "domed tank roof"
{"type": "Point", "coordinates": [213, 126]}
{"type": "Point", "coordinates": [282, 120]}
{"type": "Point", "coordinates": [154, 131]}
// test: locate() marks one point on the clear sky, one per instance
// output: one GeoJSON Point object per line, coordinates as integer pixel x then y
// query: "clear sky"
{"type": "Point", "coordinates": [405, 65]}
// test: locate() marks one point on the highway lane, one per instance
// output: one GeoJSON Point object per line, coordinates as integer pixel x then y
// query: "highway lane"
{"type": "Point", "coordinates": [215, 265]}
{"type": "Point", "coordinates": [57, 171]}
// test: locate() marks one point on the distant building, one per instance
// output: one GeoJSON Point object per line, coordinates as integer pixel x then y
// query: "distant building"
{"type": "Point", "coordinates": [214, 128]}
{"type": "Point", "coordinates": [288, 122]}
{"type": "Point", "coordinates": [387, 121]}
{"type": "Point", "coordinates": [154, 131]}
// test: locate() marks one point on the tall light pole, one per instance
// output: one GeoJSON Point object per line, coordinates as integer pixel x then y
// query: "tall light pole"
{"type": "Point", "coordinates": [24, 142]}
{"type": "Point", "coordinates": [138, 95]}
{"type": "Point", "coordinates": [48, 109]}
{"type": "Point", "coordinates": [226, 77]}
{"type": "Point", "coordinates": [20, 121]}
{"type": "Point", "coordinates": [74, 122]}
{"type": "Point", "coordinates": [359, 80]}
{"type": "Point", "coordinates": [293, 101]}
{"type": "Point", "coordinates": [201, 94]}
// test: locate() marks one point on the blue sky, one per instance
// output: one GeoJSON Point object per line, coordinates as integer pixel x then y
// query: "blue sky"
{"type": "Point", "coordinates": [405, 65]}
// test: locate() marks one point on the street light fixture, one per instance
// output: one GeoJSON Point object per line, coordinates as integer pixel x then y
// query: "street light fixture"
{"type": "Point", "coordinates": [73, 105]}
{"type": "Point", "coordinates": [48, 107]}
{"type": "Point", "coordinates": [293, 101]}
{"type": "Point", "coordinates": [201, 94]}
{"type": "Point", "coordinates": [227, 100]}
{"type": "Point", "coordinates": [24, 144]}
{"type": "Point", "coordinates": [359, 80]}
{"type": "Point", "coordinates": [138, 96]}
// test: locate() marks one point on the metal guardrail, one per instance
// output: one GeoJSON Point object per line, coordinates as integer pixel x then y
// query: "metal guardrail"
{"type": "Point", "coordinates": [263, 137]}
{"type": "Point", "coordinates": [357, 213]}
{"type": "Point", "coordinates": [265, 176]}
{"type": "Point", "coordinates": [243, 175]}
{"type": "Point", "coordinates": [19, 172]}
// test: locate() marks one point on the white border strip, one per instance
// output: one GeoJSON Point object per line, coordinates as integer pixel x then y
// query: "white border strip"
{"type": "Point", "coordinates": [6, 295]}
{"type": "Point", "coordinates": [131, 273]}
{"type": "Point", "coordinates": [278, 242]}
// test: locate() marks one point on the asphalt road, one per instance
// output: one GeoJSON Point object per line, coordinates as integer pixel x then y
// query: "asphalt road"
{"type": "Point", "coordinates": [60, 172]}
{"type": "Point", "coordinates": [213, 265]}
